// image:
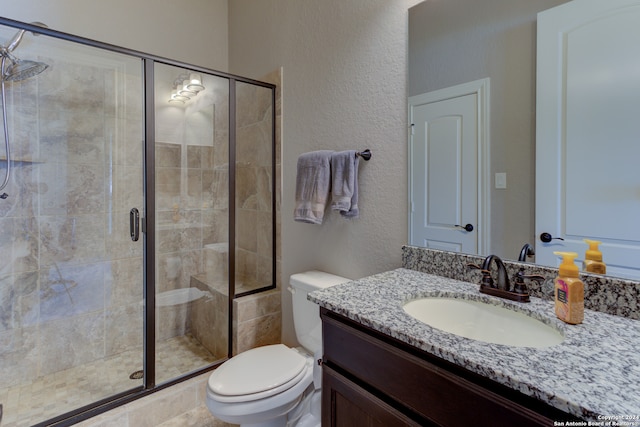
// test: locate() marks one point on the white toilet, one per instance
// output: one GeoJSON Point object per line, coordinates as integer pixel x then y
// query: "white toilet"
{"type": "Point", "coordinates": [276, 385]}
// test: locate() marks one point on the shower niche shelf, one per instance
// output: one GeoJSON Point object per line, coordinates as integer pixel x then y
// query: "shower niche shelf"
{"type": "Point", "coordinates": [22, 160]}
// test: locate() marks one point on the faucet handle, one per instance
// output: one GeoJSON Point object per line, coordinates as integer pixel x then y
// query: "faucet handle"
{"type": "Point", "coordinates": [519, 285]}
{"type": "Point", "coordinates": [486, 280]}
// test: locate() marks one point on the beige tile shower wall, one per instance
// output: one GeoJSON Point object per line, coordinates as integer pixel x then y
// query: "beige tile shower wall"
{"type": "Point", "coordinates": [191, 202]}
{"type": "Point", "coordinates": [257, 320]}
{"type": "Point", "coordinates": [254, 177]}
{"type": "Point", "coordinates": [201, 193]}
{"type": "Point", "coordinates": [71, 279]}
{"type": "Point", "coordinates": [208, 318]}
{"type": "Point", "coordinates": [177, 236]}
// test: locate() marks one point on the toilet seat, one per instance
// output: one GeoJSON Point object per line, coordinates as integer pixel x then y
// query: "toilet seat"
{"type": "Point", "coordinates": [258, 373]}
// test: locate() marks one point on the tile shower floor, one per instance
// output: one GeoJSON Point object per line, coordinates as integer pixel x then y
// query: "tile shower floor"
{"type": "Point", "coordinates": [64, 391]}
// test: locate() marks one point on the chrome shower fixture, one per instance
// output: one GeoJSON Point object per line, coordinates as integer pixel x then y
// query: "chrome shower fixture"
{"type": "Point", "coordinates": [16, 70]}
{"type": "Point", "coordinates": [20, 69]}
{"type": "Point", "coordinates": [15, 41]}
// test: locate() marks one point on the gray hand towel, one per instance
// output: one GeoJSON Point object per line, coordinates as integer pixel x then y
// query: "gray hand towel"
{"type": "Point", "coordinates": [344, 169]}
{"type": "Point", "coordinates": [313, 184]}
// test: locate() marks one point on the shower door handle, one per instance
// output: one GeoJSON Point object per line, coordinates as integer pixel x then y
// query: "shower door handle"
{"type": "Point", "coordinates": [134, 224]}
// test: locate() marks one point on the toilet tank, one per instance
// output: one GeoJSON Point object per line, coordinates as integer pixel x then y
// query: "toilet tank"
{"type": "Point", "coordinates": [306, 315]}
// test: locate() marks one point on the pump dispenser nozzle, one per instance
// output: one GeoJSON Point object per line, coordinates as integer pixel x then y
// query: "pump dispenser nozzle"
{"type": "Point", "coordinates": [593, 252]}
{"type": "Point", "coordinates": [593, 258]}
{"type": "Point", "coordinates": [568, 267]}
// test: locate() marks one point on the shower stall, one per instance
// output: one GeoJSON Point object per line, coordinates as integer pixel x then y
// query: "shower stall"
{"type": "Point", "coordinates": [138, 204]}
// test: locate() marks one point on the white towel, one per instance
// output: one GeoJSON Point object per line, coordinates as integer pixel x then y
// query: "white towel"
{"type": "Point", "coordinates": [313, 185]}
{"type": "Point", "coordinates": [344, 170]}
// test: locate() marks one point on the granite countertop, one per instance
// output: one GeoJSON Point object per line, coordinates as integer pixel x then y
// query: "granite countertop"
{"type": "Point", "coordinates": [593, 373]}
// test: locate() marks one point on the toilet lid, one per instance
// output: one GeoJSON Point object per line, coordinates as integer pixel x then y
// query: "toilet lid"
{"type": "Point", "coordinates": [257, 370]}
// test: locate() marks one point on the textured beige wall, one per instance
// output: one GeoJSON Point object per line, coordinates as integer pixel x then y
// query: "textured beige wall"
{"type": "Point", "coordinates": [458, 41]}
{"type": "Point", "coordinates": [344, 87]}
{"type": "Point", "coordinates": [193, 31]}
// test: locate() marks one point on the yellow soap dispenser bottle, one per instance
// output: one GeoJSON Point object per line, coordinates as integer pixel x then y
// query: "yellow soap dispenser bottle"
{"type": "Point", "coordinates": [593, 258]}
{"type": "Point", "coordinates": [569, 290]}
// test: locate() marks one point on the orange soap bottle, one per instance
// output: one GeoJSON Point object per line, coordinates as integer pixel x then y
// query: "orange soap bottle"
{"type": "Point", "coordinates": [569, 290]}
{"type": "Point", "coordinates": [593, 258]}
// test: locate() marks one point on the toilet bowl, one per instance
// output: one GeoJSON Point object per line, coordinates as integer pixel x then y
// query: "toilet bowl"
{"type": "Point", "coordinates": [275, 385]}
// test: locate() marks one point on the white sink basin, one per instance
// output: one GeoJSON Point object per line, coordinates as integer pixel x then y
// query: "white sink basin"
{"type": "Point", "coordinates": [483, 322]}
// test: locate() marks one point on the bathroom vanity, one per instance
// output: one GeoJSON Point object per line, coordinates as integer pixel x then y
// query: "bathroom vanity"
{"type": "Point", "coordinates": [383, 367]}
{"type": "Point", "coordinates": [369, 376]}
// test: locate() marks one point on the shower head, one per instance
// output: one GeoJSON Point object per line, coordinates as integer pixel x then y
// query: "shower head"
{"type": "Point", "coordinates": [16, 70]}
{"type": "Point", "coordinates": [19, 69]}
{"type": "Point", "coordinates": [23, 69]}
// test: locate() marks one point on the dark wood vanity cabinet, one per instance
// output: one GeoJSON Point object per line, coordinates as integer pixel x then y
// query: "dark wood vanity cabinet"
{"type": "Point", "coordinates": [370, 379]}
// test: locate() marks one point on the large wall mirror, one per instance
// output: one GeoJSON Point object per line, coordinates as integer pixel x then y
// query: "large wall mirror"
{"type": "Point", "coordinates": [456, 41]}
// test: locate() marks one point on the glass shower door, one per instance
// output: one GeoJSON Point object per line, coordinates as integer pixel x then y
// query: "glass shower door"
{"type": "Point", "coordinates": [192, 220]}
{"type": "Point", "coordinates": [254, 195]}
{"type": "Point", "coordinates": [71, 281]}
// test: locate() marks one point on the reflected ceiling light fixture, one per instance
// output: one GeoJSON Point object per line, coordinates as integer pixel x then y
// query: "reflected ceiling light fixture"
{"type": "Point", "coordinates": [186, 92]}
{"type": "Point", "coordinates": [194, 83]}
{"type": "Point", "coordinates": [176, 98]}
{"type": "Point", "coordinates": [185, 88]}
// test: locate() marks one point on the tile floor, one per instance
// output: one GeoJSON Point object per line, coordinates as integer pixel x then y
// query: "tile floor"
{"type": "Point", "coordinates": [52, 395]}
{"type": "Point", "coordinates": [182, 405]}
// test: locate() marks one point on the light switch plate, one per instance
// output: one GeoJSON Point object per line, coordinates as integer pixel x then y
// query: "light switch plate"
{"type": "Point", "coordinates": [501, 180]}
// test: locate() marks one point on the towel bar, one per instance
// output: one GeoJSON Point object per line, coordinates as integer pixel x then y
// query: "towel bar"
{"type": "Point", "coordinates": [366, 154]}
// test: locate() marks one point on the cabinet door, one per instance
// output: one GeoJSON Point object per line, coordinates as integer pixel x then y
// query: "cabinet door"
{"type": "Point", "coordinates": [345, 404]}
{"type": "Point", "coordinates": [419, 387]}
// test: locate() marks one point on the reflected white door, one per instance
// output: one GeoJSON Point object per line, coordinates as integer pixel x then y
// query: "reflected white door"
{"type": "Point", "coordinates": [445, 145]}
{"type": "Point", "coordinates": [588, 132]}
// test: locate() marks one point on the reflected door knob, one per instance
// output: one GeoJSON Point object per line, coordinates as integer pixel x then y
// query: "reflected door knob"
{"type": "Point", "coordinates": [468, 227]}
{"type": "Point", "coordinates": [546, 237]}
